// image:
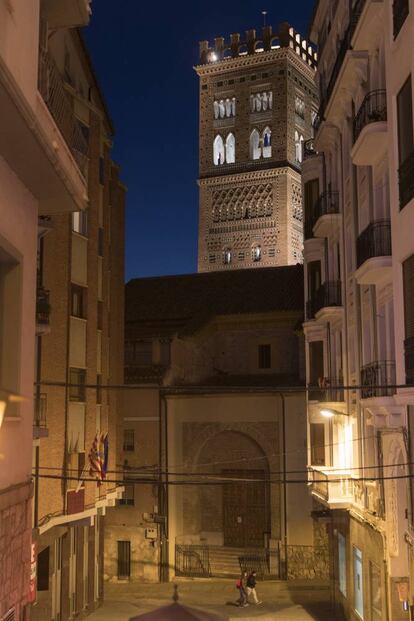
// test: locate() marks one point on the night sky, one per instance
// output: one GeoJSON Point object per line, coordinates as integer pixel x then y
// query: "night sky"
{"type": "Point", "coordinates": [143, 52]}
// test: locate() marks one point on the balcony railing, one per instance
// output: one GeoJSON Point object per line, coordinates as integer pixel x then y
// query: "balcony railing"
{"type": "Point", "coordinates": [327, 204]}
{"type": "Point", "coordinates": [328, 294]}
{"type": "Point", "coordinates": [42, 307]}
{"type": "Point", "coordinates": [406, 180]}
{"type": "Point", "coordinates": [334, 486]}
{"type": "Point", "coordinates": [328, 390]}
{"type": "Point", "coordinates": [52, 89]}
{"type": "Point", "coordinates": [308, 149]}
{"type": "Point", "coordinates": [374, 241]}
{"type": "Point", "coordinates": [378, 379]}
{"type": "Point", "coordinates": [40, 411]}
{"type": "Point", "coordinates": [400, 10]}
{"type": "Point", "coordinates": [373, 109]}
{"type": "Point", "coordinates": [343, 48]}
{"type": "Point", "coordinates": [409, 360]}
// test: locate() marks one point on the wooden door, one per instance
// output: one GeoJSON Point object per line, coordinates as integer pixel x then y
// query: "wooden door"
{"type": "Point", "coordinates": [244, 509]}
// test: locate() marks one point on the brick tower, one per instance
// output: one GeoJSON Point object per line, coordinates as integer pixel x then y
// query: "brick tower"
{"type": "Point", "coordinates": [257, 103]}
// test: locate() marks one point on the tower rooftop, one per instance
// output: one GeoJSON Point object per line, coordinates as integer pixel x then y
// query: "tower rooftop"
{"type": "Point", "coordinates": [285, 37]}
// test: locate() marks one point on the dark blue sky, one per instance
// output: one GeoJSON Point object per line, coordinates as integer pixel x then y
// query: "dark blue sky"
{"type": "Point", "coordinates": [143, 52]}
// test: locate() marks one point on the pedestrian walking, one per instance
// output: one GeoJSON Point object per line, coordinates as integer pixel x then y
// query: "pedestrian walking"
{"type": "Point", "coordinates": [251, 587]}
{"type": "Point", "coordinates": [241, 584]}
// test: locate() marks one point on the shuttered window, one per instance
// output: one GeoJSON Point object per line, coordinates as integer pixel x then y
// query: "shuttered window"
{"type": "Point", "coordinates": [311, 196]}
{"type": "Point", "coordinates": [317, 444]}
{"type": "Point", "coordinates": [405, 121]}
{"type": "Point", "coordinates": [316, 371]}
{"type": "Point", "coordinates": [408, 279]}
{"type": "Point", "coordinates": [124, 559]}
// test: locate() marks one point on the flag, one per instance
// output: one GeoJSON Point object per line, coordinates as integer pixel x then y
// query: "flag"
{"type": "Point", "coordinates": [98, 457]}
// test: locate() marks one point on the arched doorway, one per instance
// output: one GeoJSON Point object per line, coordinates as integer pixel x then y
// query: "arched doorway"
{"type": "Point", "coordinates": [236, 511]}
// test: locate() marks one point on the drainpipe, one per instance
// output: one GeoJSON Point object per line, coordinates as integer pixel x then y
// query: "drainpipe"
{"type": "Point", "coordinates": [285, 509]}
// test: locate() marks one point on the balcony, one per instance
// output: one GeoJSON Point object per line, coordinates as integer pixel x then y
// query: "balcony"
{"type": "Point", "coordinates": [406, 180]}
{"type": "Point", "coordinates": [400, 10]}
{"type": "Point", "coordinates": [39, 417]}
{"type": "Point", "coordinates": [328, 391]}
{"type": "Point", "coordinates": [378, 379]}
{"type": "Point", "coordinates": [55, 96]}
{"type": "Point", "coordinates": [326, 217]}
{"type": "Point", "coordinates": [343, 48]}
{"type": "Point", "coordinates": [374, 253]}
{"type": "Point", "coordinates": [328, 296]}
{"type": "Point", "coordinates": [66, 13]}
{"type": "Point", "coordinates": [42, 311]}
{"type": "Point", "coordinates": [331, 486]}
{"type": "Point", "coordinates": [409, 360]}
{"type": "Point", "coordinates": [370, 129]}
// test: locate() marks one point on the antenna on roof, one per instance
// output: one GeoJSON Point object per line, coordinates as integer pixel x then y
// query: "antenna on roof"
{"type": "Point", "coordinates": [264, 13]}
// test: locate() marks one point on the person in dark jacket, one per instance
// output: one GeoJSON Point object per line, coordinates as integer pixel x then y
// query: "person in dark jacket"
{"type": "Point", "coordinates": [242, 586]}
{"type": "Point", "coordinates": [251, 587]}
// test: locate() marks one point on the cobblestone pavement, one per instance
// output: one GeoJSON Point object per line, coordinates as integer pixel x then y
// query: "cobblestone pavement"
{"type": "Point", "coordinates": [296, 601]}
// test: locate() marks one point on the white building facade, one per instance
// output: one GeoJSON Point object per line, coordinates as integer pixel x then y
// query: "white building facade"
{"type": "Point", "coordinates": [358, 174]}
{"type": "Point", "coordinates": [39, 176]}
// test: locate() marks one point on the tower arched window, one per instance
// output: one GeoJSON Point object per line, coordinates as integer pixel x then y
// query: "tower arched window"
{"type": "Point", "coordinates": [265, 102]}
{"type": "Point", "coordinates": [228, 107]}
{"type": "Point", "coordinates": [233, 106]}
{"type": "Point", "coordinates": [252, 103]}
{"type": "Point", "coordinates": [216, 109]}
{"type": "Point", "coordinates": [222, 109]}
{"type": "Point", "coordinates": [267, 142]}
{"type": "Point", "coordinates": [256, 253]}
{"type": "Point", "coordinates": [258, 102]}
{"type": "Point", "coordinates": [230, 149]}
{"type": "Point", "coordinates": [298, 147]}
{"type": "Point", "coordinates": [218, 151]}
{"type": "Point", "coordinates": [227, 256]}
{"type": "Point", "coordinates": [255, 150]}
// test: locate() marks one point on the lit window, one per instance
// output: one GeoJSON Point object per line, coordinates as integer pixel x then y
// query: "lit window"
{"type": "Point", "coordinates": [230, 149]}
{"type": "Point", "coordinates": [227, 256]}
{"type": "Point", "coordinates": [80, 222]}
{"type": "Point", "coordinates": [256, 253]}
{"type": "Point", "coordinates": [298, 147]}
{"type": "Point", "coordinates": [267, 142]}
{"type": "Point", "coordinates": [255, 150]}
{"type": "Point", "coordinates": [218, 151]}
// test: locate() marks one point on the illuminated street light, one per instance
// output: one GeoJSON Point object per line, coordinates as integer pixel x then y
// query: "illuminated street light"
{"type": "Point", "coordinates": [327, 413]}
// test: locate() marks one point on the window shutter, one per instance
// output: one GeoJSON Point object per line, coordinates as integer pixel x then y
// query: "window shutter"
{"type": "Point", "coordinates": [408, 281]}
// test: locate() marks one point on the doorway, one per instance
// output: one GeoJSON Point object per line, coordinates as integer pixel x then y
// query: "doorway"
{"type": "Point", "coordinates": [244, 509]}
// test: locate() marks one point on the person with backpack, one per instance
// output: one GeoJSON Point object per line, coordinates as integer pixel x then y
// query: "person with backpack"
{"type": "Point", "coordinates": [241, 584]}
{"type": "Point", "coordinates": [251, 587]}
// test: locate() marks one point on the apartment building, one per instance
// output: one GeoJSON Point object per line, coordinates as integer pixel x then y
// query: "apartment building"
{"type": "Point", "coordinates": [359, 247]}
{"type": "Point", "coordinates": [79, 335]}
{"type": "Point", "coordinates": [209, 361]}
{"type": "Point", "coordinates": [39, 177]}
{"type": "Point", "coordinates": [257, 101]}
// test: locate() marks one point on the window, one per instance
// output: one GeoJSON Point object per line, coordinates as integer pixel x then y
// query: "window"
{"type": "Point", "coordinates": [101, 170]}
{"type": "Point", "coordinates": [78, 301]}
{"type": "Point", "coordinates": [265, 358]}
{"type": "Point", "coordinates": [100, 241]}
{"type": "Point", "coordinates": [317, 443]}
{"type": "Point", "coordinates": [227, 256]}
{"type": "Point", "coordinates": [77, 379]}
{"type": "Point", "coordinates": [400, 10]}
{"type": "Point", "coordinates": [299, 107]}
{"type": "Point", "coordinates": [298, 147]}
{"type": "Point", "coordinates": [358, 583]}
{"type": "Point", "coordinates": [43, 570]}
{"type": "Point", "coordinates": [129, 440]}
{"type": "Point", "coordinates": [342, 564]}
{"type": "Point", "coordinates": [260, 102]}
{"type": "Point", "coordinates": [80, 222]}
{"type": "Point", "coordinates": [218, 151]}
{"type": "Point", "coordinates": [128, 497]}
{"type": "Point", "coordinates": [314, 278]}
{"type": "Point", "coordinates": [124, 559]}
{"type": "Point", "coordinates": [311, 198]}
{"type": "Point", "coordinates": [255, 150]}
{"type": "Point", "coordinates": [75, 430]}
{"type": "Point", "coordinates": [256, 253]}
{"type": "Point", "coordinates": [316, 368]}
{"type": "Point", "coordinates": [267, 142]}
{"type": "Point", "coordinates": [405, 143]}
{"type": "Point", "coordinates": [408, 292]}
{"type": "Point", "coordinates": [230, 149]}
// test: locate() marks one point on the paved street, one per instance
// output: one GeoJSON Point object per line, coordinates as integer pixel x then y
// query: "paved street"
{"type": "Point", "coordinates": [295, 602]}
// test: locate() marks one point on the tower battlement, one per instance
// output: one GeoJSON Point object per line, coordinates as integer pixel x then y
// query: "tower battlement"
{"type": "Point", "coordinates": [254, 44]}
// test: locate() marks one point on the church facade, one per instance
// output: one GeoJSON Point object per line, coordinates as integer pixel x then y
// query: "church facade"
{"type": "Point", "coordinates": [257, 103]}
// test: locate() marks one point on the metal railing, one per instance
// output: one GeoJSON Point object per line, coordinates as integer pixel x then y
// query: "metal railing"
{"type": "Point", "coordinates": [309, 149]}
{"type": "Point", "coordinates": [327, 390]}
{"type": "Point", "coordinates": [372, 110]}
{"type": "Point", "coordinates": [328, 294]}
{"type": "Point", "coordinates": [374, 241]}
{"type": "Point", "coordinates": [406, 180]}
{"type": "Point", "coordinates": [409, 360]}
{"type": "Point", "coordinates": [343, 48]}
{"type": "Point", "coordinates": [42, 307]}
{"type": "Point", "coordinates": [400, 10]}
{"type": "Point", "coordinates": [40, 411]}
{"type": "Point", "coordinates": [327, 204]}
{"type": "Point", "coordinates": [377, 379]}
{"type": "Point", "coordinates": [192, 560]}
{"type": "Point", "coordinates": [52, 88]}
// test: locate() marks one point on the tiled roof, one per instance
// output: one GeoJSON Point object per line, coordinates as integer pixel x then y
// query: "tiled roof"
{"type": "Point", "coordinates": [188, 301]}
